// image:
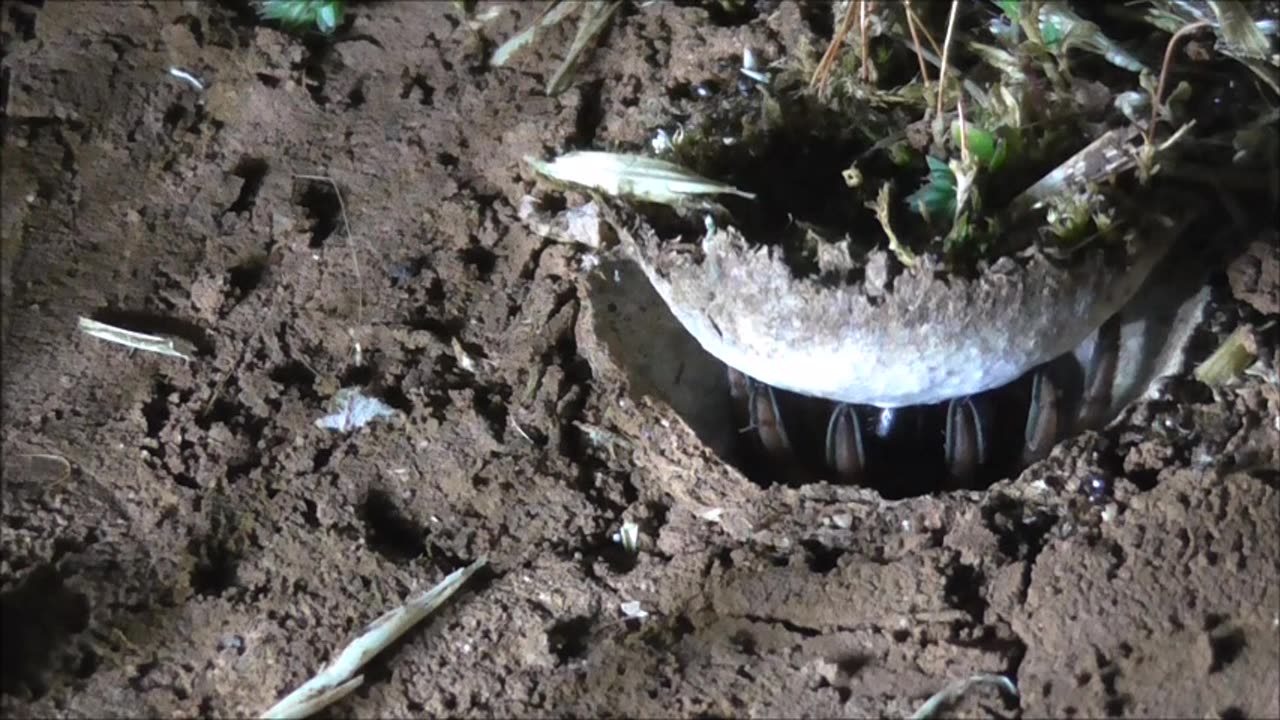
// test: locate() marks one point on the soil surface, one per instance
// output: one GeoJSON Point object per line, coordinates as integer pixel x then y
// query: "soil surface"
{"type": "Point", "coordinates": [179, 538]}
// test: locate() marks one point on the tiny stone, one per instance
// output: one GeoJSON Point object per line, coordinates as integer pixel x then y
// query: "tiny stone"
{"type": "Point", "coordinates": [1098, 487]}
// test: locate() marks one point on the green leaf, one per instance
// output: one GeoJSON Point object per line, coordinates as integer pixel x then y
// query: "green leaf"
{"type": "Point", "coordinates": [900, 154]}
{"type": "Point", "coordinates": [327, 19]}
{"type": "Point", "coordinates": [982, 144]}
{"type": "Point", "coordinates": [1011, 9]}
{"type": "Point", "coordinates": [1050, 33]}
{"type": "Point", "coordinates": [326, 15]}
{"type": "Point", "coordinates": [936, 201]}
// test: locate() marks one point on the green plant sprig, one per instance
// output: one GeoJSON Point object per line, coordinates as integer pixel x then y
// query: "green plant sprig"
{"type": "Point", "coordinates": [326, 15]}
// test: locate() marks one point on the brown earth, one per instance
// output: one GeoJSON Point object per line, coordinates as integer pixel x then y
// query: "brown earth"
{"type": "Point", "coordinates": [179, 539]}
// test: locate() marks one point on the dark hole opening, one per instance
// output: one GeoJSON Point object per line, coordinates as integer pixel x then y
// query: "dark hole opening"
{"type": "Point", "coordinates": [319, 200]}
{"type": "Point", "coordinates": [252, 171]}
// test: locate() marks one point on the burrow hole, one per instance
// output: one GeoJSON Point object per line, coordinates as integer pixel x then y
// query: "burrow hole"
{"type": "Point", "coordinates": [320, 203]}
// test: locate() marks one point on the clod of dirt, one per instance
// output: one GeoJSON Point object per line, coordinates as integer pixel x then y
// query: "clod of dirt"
{"type": "Point", "coordinates": [928, 338]}
{"type": "Point", "coordinates": [1255, 275]}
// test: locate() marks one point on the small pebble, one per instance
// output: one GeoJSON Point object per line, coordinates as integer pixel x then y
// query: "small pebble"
{"type": "Point", "coordinates": [1098, 487]}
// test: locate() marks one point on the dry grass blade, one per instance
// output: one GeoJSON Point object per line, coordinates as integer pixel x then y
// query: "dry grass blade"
{"type": "Point", "coordinates": [595, 16]}
{"type": "Point", "coordinates": [553, 13]}
{"type": "Point", "coordinates": [634, 176]}
{"type": "Point", "coordinates": [1105, 157]}
{"type": "Point", "coordinates": [864, 68]}
{"type": "Point", "coordinates": [881, 209]}
{"type": "Point", "coordinates": [946, 52]}
{"type": "Point", "coordinates": [339, 677]}
{"type": "Point", "coordinates": [1230, 360]}
{"type": "Point", "coordinates": [1239, 30]}
{"type": "Point", "coordinates": [823, 72]}
{"type": "Point", "coordinates": [915, 41]}
{"type": "Point", "coordinates": [1164, 72]}
{"type": "Point", "coordinates": [170, 346]}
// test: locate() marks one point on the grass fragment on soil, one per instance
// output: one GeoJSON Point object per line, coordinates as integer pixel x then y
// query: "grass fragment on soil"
{"type": "Point", "coordinates": [339, 678]}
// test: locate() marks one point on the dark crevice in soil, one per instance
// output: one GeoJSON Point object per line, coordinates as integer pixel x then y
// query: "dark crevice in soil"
{"type": "Point", "coordinates": [155, 411]}
{"type": "Point", "coordinates": [216, 567]}
{"type": "Point", "coordinates": [295, 375]}
{"type": "Point", "coordinates": [404, 273]}
{"type": "Point", "coordinates": [86, 664]}
{"type": "Point", "coordinates": [1021, 533]}
{"type": "Point", "coordinates": [416, 83]}
{"type": "Point", "coordinates": [23, 18]}
{"type": "Point", "coordinates": [1108, 673]}
{"type": "Point", "coordinates": [319, 202]}
{"type": "Point", "coordinates": [245, 277]}
{"type": "Point", "coordinates": [589, 116]}
{"type": "Point", "coordinates": [963, 590]}
{"type": "Point", "coordinates": [193, 25]}
{"type": "Point", "coordinates": [1225, 642]}
{"type": "Point", "coordinates": [251, 171]}
{"type": "Point", "coordinates": [567, 639]}
{"type": "Point", "coordinates": [320, 459]}
{"type": "Point", "coordinates": [491, 402]}
{"type": "Point", "coordinates": [801, 630]}
{"type": "Point", "coordinates": [726, 14]}
{"type": "Point", "coordinates": [356, 96]}
{"type": "Point", "coordinates": [39, 614]}
{"type": "Point", "coordinates": [429, 318]}
{"type": "Point", "coordinates": [312, 66]}
{"type": "Point", "coordinates": [479, 258]}
{"type": "Point", "coordinates": [821, 559]}
{"type": "Point", "coordinates": [614, 555]}
{"type": "Point", "coordinates": [389, 531]}
{"type": "Point", "coordinates": [997, 639]}
{"type": "Point", "coordinates": [1145, 480]}
{"type": "Point", "coordinates": [357, 375]}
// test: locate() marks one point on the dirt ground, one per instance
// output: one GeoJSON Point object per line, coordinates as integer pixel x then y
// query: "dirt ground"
{"type": "Point", "coordinates": [179, 539]}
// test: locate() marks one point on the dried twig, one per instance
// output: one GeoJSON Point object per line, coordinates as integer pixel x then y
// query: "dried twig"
{"type": "Point", "coordinates": [864, 70]}
{"type": "Point", "coordinates": [554, 12]}
{"type": "Point", "coordinates": [1164, 72]}
{"type": "Point", "coordinates": [1109, 155]}
{"type": "Point", "coordinates": [170, 346]}
{"type": "Point", "coordinates": [820, 75]}
{"type": "Point", "coordinates": [881, 208]}
{"type": "Point", "coordinates": [636, 176]}
{"type": "Point", "coordinates": [339, 677]}
{"type": "Point", "coordinates": [911, 12]}
{"type": "Point", "coordinates": [915, 41]}
{"type": "Point", "coordinates": [1229, 361]}
{"type": "Point", "coordinates": [946, 52]}
{"type": "Point", "coordinates": [595, 16]}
